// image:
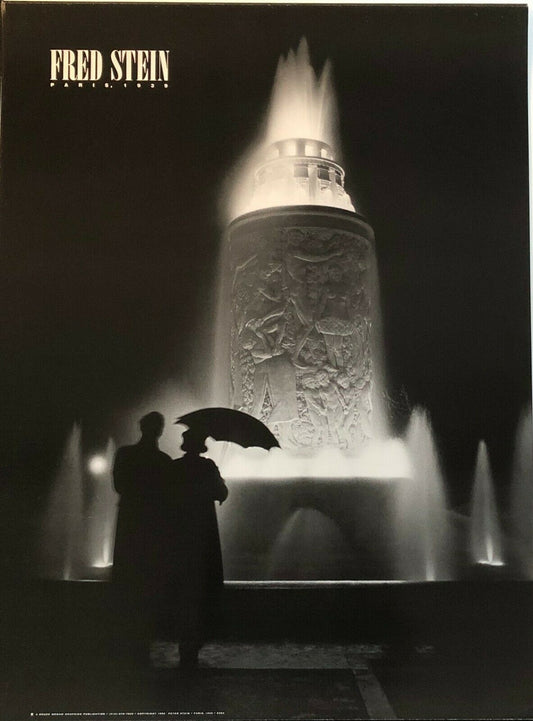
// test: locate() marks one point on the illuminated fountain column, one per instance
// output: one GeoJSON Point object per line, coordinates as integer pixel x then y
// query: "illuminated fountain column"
{"type": "Point", "coordinates": [301, 356]}
{"type": "Point", "coordinates": [299, 347]}
{"type": "Point", "coordinates": [301, 280]}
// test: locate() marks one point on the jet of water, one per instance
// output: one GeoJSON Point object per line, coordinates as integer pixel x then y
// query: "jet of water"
{"type": "Point", "coordinates": [62, 523]}
{"type": "Point", "coordinates": [522, 495]}
{"type": "Point", "coordinates": [302, 104]}
{"type": "Point", "coordinates": [102, 514]}
{"type": "Point", "coordinates": [486, 545]}
{"type": "Point", "coordinates": [422, 522]}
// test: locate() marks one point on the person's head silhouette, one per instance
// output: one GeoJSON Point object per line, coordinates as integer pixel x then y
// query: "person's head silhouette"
{"type": "Point", "coordinates": [152, 425]}
{"type": "Point", "coordinates": [193, 442]}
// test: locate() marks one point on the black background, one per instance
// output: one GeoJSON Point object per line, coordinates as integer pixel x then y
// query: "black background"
{"type": "Point", "coordinates": [111, 221]}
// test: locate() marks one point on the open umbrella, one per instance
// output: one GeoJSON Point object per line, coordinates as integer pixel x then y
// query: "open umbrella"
{"type": "Point", "coordinates": [226, 424]}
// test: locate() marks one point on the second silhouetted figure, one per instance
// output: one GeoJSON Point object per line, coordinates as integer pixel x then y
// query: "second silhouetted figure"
{"type": "Point", "coordinates": [195, 560]}
{"type": "Point", "coordinates": [140, 475]}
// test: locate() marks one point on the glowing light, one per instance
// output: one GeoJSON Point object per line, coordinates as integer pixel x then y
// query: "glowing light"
{"type": "Point", "coordinates": [102, 511]}
{"type": "Point", "coordinates": [98, 465]}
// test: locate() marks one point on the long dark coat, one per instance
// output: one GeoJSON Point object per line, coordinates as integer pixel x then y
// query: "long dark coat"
{"type": "Point", "coordinates": [190, 603]}
{"type": "Point", "coordinates": [195, 485]}
{"type": "Point", "coordinates": [140, 473]}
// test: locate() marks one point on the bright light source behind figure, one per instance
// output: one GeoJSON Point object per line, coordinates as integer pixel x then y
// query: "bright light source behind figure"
{"type": "Point", "coordinates": [98, 465]}
{"type": "Point", "coordinates": [102, 512]}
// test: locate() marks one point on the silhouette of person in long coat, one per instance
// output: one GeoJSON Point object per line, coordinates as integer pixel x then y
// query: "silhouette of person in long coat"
{"type": "Point", "coordinates": [140, 473]}
{"type": "Point", "coordinates": [198, 578]}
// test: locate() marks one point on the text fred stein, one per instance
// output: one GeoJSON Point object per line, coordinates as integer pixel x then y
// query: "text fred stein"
{"type": "Point", "coordinates": [142, 66]}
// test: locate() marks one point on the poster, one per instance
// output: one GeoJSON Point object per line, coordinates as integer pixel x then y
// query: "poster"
{"type": "Point", "coordinates": [125, 132]}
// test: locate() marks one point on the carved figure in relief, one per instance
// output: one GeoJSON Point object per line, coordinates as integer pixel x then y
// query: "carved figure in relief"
{"type": "Point", "coordinates": [274, 375]}
{"type": "Point", "coordinates": [353, 396]}
{"type": "Point", "coordinates": [257, 291]}
{"type": "Point", "coordinates": [305, 274]}
{"type": "Point", "coordinates": [312, 385]}
{"type": "Point", "coordinates": [300, 337]}
{"type": "Point", "coordinates": [312, 354]}
{"type": "Point", "coordinates": [327, 408]}
{"type": "Point", "coordinates": [365, 408]}
{"type": "Point", "coordinates": [335, 409]}
{"type": "Point", "coordinates": [344, 416]}
{"type": "Point", "coordinates": [334, 318]}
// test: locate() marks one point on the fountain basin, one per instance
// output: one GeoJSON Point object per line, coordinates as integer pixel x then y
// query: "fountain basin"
{"type": "Point", "coordinates": [309, 529]}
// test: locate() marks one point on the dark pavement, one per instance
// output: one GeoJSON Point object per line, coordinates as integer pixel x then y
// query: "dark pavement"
{"type": "Point", "coordinates": [64, 661]}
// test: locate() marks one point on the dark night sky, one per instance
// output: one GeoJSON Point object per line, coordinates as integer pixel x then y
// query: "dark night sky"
{"type": "Point", "coordinates": [111, 225]}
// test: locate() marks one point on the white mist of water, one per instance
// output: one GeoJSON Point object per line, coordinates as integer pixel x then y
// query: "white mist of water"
{"type": "Point", "coordinates": [302, 104]}
{"type": "Point", "coordinates": [380, 460]}
{"type": "Point", "coordinates": [102, 513]}
{"type": "Point", "coordinates": [486, 544]}
{"type": "Point", "coordinates": [521, 510]}
{"type": "Point", "coordinates": [63, 519]}
{"type": "Point", "coordinates": [424, 534]}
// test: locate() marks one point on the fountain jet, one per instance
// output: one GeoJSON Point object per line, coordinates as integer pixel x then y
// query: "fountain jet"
{"type": "Point", "coordinates": [302, 104]}
{"type": "Point", "coordinates": [61, 541]}
{"type": "Point", "coordinates": [422, 523]}
{"type": "Point", "coordinates": [486, 545]}
{"type": "Point", "coordinates": [522, 496]}
{"type": "Point", "coordinates": [101, 517]}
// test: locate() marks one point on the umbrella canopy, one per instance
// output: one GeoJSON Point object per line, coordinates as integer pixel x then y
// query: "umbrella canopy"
{"type": "Point", "coordinates": [226, 424]}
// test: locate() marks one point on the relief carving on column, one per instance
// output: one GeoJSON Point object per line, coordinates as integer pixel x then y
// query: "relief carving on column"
{"type": "Point", "coordinates": [300, 338]}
